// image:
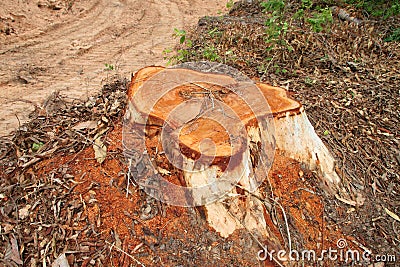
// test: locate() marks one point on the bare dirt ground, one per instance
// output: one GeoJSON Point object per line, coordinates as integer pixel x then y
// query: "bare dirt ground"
{"type": "Point", "coordinates": [48, 46]}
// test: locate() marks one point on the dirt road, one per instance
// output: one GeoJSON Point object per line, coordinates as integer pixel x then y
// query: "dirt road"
{"type": "Point", "coordinates": [49, 45]}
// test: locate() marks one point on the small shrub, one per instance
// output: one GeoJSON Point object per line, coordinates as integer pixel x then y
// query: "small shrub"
{"type": "Point", "coordinates": [277, 26]}
{"type": "Point", "coordinates": [181, 54]}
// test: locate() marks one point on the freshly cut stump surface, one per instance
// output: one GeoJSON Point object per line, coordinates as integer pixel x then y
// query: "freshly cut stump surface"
{"type": "Point", "coordinates": [197, 128]}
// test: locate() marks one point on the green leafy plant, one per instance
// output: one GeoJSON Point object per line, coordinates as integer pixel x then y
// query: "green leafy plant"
{"type": "Point", "coordinates": [229, 4]}
{"type": "Point", "coordinates": [279, 70]}
{"type": "Point", "coordinates": [181, 34]}
{"type": "Point", "coordinates": [320, 19]}
{"type": "Point", "coordinates": [306, 4]}
{"type": "Point", "coordinates": [210, 53]}
{"type": "Point", "coordinates": [309, 82]}
{"type": "Point", "coordinates": [179, 56]}
{"type": "Point", "coordinates": [183, 52]}
{"type": "Point", "coordinates": [394, 36]}
{"type": "Point", "coordinates": [215, 32]}
{"type": "Point", "coordinates": [37, 146]}
{"type": "Point", "coordinates": [276, 24]}
{"type": "Point", "coordinates": [299, 14]}
{"type": "Point", "coordinates": [275, 29]}
{"type": "Point", "coordinates": [109, 66]}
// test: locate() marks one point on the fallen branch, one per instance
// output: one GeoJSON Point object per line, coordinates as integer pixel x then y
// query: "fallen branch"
{"type": "Point", "coordinates": [344, 15]}
{"type": "Point", "coordinates": [39, 157]}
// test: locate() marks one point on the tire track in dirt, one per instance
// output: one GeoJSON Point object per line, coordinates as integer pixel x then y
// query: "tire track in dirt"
{"type": "Point", "coordinates": [67, 51]}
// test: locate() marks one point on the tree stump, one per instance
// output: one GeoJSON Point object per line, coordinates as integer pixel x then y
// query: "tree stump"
{"type": "Point", "coordinates": [197, 135]}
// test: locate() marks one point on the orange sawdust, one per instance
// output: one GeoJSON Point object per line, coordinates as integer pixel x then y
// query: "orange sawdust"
{"type": "Point", "coordinates": [303, 204]}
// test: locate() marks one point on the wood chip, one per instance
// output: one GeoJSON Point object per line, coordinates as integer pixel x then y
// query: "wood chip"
{"type": "Point", "coordinates": [12, 252]}
{"type": "Point", "coordinates": [61, 261]}
{"type": "Point", "coordinates": [85, 125]}
{"type": "Point", "coordinates": [100, 150]}
{"type": "Point", "coordinates": [393, 215]}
